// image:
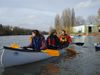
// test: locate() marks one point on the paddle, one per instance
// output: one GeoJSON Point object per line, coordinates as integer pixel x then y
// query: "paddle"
{"type": "Point", "coordinates": [50, 52]}
{"type": "Point", "coordinates": [14, 45]}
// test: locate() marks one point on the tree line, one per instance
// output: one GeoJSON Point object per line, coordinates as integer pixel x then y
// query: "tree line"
{"type": "Point", "coordinates": [9, 30]}
{"type": "Point", "coordinates": [92, 19]}
{"type": "Point", "coordinates": [68, 19]}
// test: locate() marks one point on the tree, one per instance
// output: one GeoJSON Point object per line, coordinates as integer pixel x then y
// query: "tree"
{"type": "Point", "coordinates": [58, 24]}
{"type": "Point", "coordinates": [80, 21]}
{"type": "Point", "coordinates": [99, 13]}
{"type": "Point", "coordinates": [67, 20]}
{"type": "Point", "coordinates": [73, 20]}
{"type": "Point", "coordinates": [98, 18]}
{"type": "Point", "coordinates": [92, 20]}
{"type": "Point", "coordinates": [0, 25]}
{"type": "Point", "coordinates": [7, 30]}
{"type": "Point", "coordinates": [73, 17]}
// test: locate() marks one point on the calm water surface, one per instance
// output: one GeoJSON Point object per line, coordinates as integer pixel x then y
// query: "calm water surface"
{"type": "Point", "coordinates": [85, 63]}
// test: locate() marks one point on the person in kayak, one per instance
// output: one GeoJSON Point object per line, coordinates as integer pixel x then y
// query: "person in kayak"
{"type": "Point", "coordinates": [53, 41]}
{"type": "Point", "coordinates": [38, 42]}
{"type": "Point", "coordinates": [65, 39]}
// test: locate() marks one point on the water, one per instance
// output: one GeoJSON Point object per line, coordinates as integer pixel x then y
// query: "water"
{"type": "Point", "coordinates": [85, 63]}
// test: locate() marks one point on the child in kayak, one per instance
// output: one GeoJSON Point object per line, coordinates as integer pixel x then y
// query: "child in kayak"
{"type": "Point", "coordinates": [37, 42]}
{"type": "Point", "coordinates": [53, 41]}
{"type": "Point", "coordinates": [65, 39]}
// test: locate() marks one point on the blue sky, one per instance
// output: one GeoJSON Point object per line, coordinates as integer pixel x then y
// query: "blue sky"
{"type": "Point", "coordinates": [40, 14]}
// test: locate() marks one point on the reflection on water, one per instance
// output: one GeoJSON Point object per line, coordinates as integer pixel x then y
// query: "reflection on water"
{"type": "Point", "coordinates": [52, 66]}
{"type": "Point", "coordinates": [50, 69]}
{"type": "Point", "coordinates": [1, 69]}
{"type": "Point", "coordinates": [79, 38]}
{"type": "Point", "coordinates": [8, 40]}
{"type": "Point", "coordinates": [85, 63]}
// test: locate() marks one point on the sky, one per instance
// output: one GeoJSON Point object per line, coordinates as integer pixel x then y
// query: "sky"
{"type": "Point", "coordinates": [40, 14]}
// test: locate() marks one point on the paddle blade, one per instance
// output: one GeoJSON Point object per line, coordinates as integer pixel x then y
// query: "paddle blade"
{"type": "Point", "coordinates": [51, 52]}
{"type": "Point", "coordinates": [30, 38]}
{"type": "Point", "coordinates": [14, 45]}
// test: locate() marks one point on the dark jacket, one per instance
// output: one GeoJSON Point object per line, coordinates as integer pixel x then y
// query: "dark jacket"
{"type": "Point", "coordinates": [53, 42]}
{"type": "Point", "coordinates": [38, 43]}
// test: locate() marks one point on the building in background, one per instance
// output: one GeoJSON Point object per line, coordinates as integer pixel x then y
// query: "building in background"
{"type": "Point", "coordinates": [86, 29]}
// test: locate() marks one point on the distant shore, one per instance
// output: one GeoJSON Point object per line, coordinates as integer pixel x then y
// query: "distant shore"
{"type": "Point", "coordinates": [7, 30]}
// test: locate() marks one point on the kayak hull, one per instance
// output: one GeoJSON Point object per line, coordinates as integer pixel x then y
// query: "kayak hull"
{"type": "Point", "coordinates": [97, 48]}
{"type": "Point", "coordinates": [79, 43]}
{"type": "Point", "coordinates": [15, 57]}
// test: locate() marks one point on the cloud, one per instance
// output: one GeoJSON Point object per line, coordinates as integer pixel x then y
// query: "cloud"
{"type": "Point", "coordinates": [27, 18]}
{"type": "Point", "coordinates": [86, 4]}
{"type": "Point", "coordinates": [23, 15]}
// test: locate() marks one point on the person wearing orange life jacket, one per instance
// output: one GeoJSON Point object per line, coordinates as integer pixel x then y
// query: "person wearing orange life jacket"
{"type": "Point", "coordinates": [65, 39]}
{"type": "Point", "coordinates": [53, 41]}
